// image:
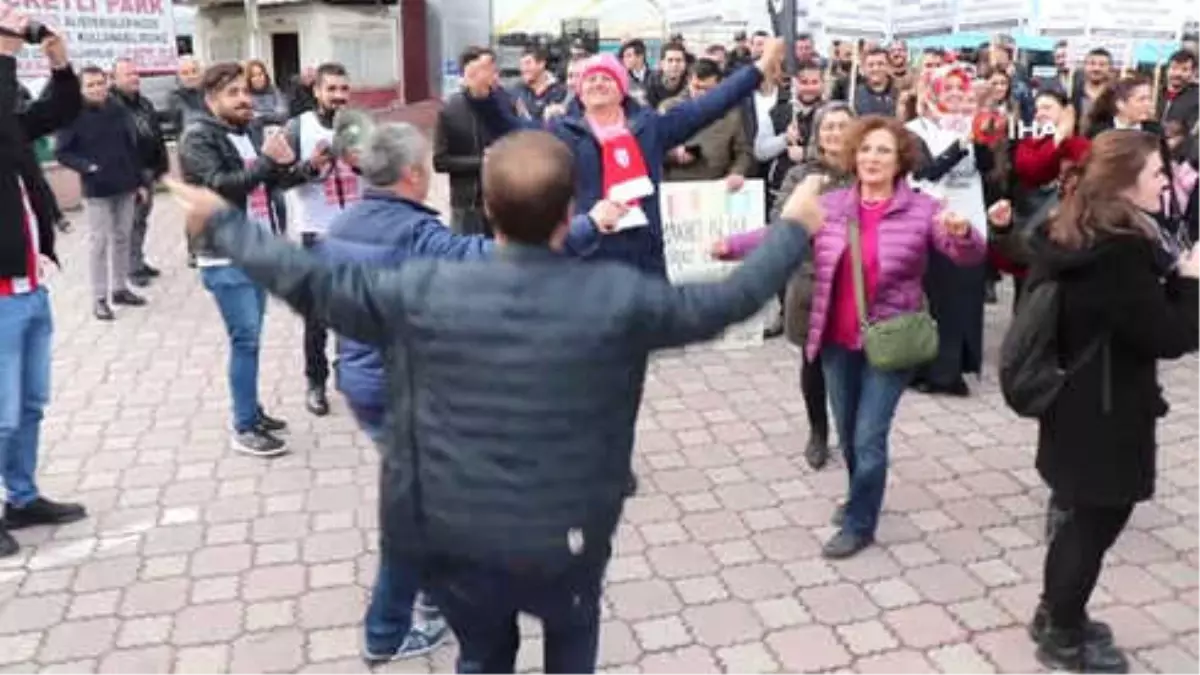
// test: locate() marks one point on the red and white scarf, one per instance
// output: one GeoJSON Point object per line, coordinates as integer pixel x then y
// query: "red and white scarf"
{"type": "Point", "coordinates": [624, 176]}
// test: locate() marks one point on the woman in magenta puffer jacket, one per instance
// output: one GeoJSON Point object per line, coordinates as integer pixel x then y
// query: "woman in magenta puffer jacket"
{"type": "Point", "coordinates": [898, 226]}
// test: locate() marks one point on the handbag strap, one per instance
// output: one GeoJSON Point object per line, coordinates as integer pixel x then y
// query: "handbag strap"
{"type": "Point", "coordinates": [860, 283]}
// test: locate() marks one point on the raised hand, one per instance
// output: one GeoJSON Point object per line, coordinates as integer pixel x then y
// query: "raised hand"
{"type": "Point", "coordinates": [954, 224]}
{"type": "Point", "coordinates": [55, 49]}
{"type": "Point", "coordinates": [771, 61]}
{"type": "Point", "coordinates": [12, 29]}
{"type": "Point", "coordinates": [804, 204]}
{"type": "Point", "coordinates": [1000, 214]}
{"type": "Point", "coordinates": [606, 214]}
{"type": "Point", "coordinates": [199, 204]}
{"type": "Point", "coordinates": [322, 156]}
{"type": "Point", "coordinates": [277, 148]}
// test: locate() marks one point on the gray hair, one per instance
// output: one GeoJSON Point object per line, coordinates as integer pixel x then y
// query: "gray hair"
{"type": "Point", "coordinates": [813, 152]}
{"type": "Point", "coordinates": [384, 150]}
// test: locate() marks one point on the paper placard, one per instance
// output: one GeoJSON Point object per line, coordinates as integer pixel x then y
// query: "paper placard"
{"type": "Point", "coordinates": [695, 216]}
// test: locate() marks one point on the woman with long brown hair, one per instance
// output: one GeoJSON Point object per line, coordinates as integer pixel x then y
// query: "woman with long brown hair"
{"type": "Point", "coordinates": [1119, 316]}
{"type": "Point", "coordinates": [269, 104]}
{"type": "Point", "coordinates": [1128, 103]}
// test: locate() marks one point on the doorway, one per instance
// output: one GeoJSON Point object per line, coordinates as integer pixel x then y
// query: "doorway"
{"type": "Point", "coordinates": [285, 56]}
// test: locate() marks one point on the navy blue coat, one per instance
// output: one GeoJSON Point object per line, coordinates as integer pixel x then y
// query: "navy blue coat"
{"type": "Point", "coordinates": [385, 230]}
{"type": "Point", "coordinates": [101, 146]}
{"type": "Point", "coordinates": [513, 382]}
{"type": "Point", "coordinates": [657, 133]}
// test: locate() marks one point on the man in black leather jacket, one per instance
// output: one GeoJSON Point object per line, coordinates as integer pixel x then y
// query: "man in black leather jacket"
{"type": "Point", "coordinates": [231, 155]}
{"type": "Point", "coordinates": [152, 157]}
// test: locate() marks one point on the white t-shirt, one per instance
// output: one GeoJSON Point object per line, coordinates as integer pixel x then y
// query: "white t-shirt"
{"type": "Point", "coordinates": [258, 202]}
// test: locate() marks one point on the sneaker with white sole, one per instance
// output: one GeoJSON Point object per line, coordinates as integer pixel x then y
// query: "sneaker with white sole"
{"type": "Point", "coordinates": [420, 641]}
{"type": "Point", "coordinates": [258, 443]}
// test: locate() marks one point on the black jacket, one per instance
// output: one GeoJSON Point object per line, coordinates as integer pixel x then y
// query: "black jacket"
{"type": "Point", "coordinates": [657, 90]}
{"type": "Point", "coordinates": [867, 101]}
{"type": "Point", "coordinates": [1184, 109]}
{"type": "Point", "coordinates": [459, 141]}
{"type": "Point", "coordinates": [184, 106]}
{"type": "Point", "coordinates": [300, 97]}
{"type": "Point", "coordinates": [207, 157]}
{"type": "Point", "coordinates": [514, 382]}
{"type": "Point", "coordinates": [152, 149]}
{"type": "Point", "coordinates": [56, 108]}
{"type": "Point", "coordinates": [1097, 445]}
{"type": "Point", "coordinates": [101, 146]}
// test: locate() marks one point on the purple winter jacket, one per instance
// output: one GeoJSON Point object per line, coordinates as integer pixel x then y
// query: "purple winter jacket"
{"type": "Point", "coordinates": [905, 235]}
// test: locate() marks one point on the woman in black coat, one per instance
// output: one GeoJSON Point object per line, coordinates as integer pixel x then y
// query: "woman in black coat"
{"type": "Point", "coordinates": [1122, 310]}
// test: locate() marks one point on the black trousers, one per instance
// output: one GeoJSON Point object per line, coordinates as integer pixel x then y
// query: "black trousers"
{"type": "Point", "coordinates": [812, 388]}
{"type": "Point", "coordinates": [316, 338]}
{"type": "Point", "coordinates": [1080, 538]}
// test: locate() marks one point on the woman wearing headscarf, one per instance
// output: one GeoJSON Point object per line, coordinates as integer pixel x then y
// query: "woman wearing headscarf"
{"type": "Point", "coordinates": [952, 168]}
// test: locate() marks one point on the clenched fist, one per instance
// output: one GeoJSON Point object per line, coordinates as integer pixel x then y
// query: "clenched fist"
{"type": "Point", "coordinates": [1000, 214]}
{"type": "Point", "coordinates": [804, 204]}
{"type": "Point", "coordinates": [606, 214]}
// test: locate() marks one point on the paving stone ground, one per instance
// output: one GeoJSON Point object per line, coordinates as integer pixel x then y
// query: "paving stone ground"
{"type": "Point", "coordinates": [199, 560]}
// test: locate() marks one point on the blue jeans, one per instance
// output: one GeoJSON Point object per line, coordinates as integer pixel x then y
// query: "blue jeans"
{"type": "Point", "coordinates": [242, 304]}
{"type": "Point", "coordinates": [389, 616]}
{"type": "Point", "coordinates": [864, 402]}
{"type": "Point", "coordinates": [26, 330]}
{"type": "Point", "coordinates": [481, 603]}
{"type": "Point", "coordinates": [370, 419]}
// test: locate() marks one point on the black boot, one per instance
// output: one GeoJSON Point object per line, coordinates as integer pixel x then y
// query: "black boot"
{"type": "Point", "coordinates": [1093, 631]}
{"type": "Point", "coordinates": [316, 402]}
{"type": "Point", "coordinates": [1075, 650]}
{"type": "Point", "coordinates": [816, 453]}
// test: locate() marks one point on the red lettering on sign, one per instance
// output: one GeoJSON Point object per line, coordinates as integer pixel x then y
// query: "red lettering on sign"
{"type": "Point", "coordinates": [135, 6]}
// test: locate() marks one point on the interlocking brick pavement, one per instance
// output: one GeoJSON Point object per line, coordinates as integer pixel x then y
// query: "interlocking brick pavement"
{"type": "Point", "coordinates": [199, 560]}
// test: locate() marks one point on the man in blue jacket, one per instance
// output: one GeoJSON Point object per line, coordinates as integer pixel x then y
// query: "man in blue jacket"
{"type": "Point", "coordinates": [514, 386]}
{"type": "Point", "coordinates": [390, 225]}
{"type": "Point", "coordinates": [601, 116]}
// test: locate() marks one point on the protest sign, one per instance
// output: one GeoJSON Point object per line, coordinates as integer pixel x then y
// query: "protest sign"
{"type": "Point", "coordinates": [696, 215]}
{"type": "Point", "coordinates": [99, 32]}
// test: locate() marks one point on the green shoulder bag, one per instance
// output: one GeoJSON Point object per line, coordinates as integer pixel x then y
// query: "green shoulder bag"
{"type": "Point", "coordinates": [899, 343]}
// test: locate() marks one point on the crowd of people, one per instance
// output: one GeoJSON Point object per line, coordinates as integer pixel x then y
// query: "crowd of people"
{"type": "Point", "coordinates": [502, 381]}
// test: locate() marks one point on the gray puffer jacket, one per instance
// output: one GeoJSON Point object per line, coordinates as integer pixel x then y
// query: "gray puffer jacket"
{"type": "Point", "coordinates": [797, 303]}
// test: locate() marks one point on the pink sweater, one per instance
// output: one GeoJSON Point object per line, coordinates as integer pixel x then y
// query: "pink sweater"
{"type": "Point", "coordinates": [844, 329]}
